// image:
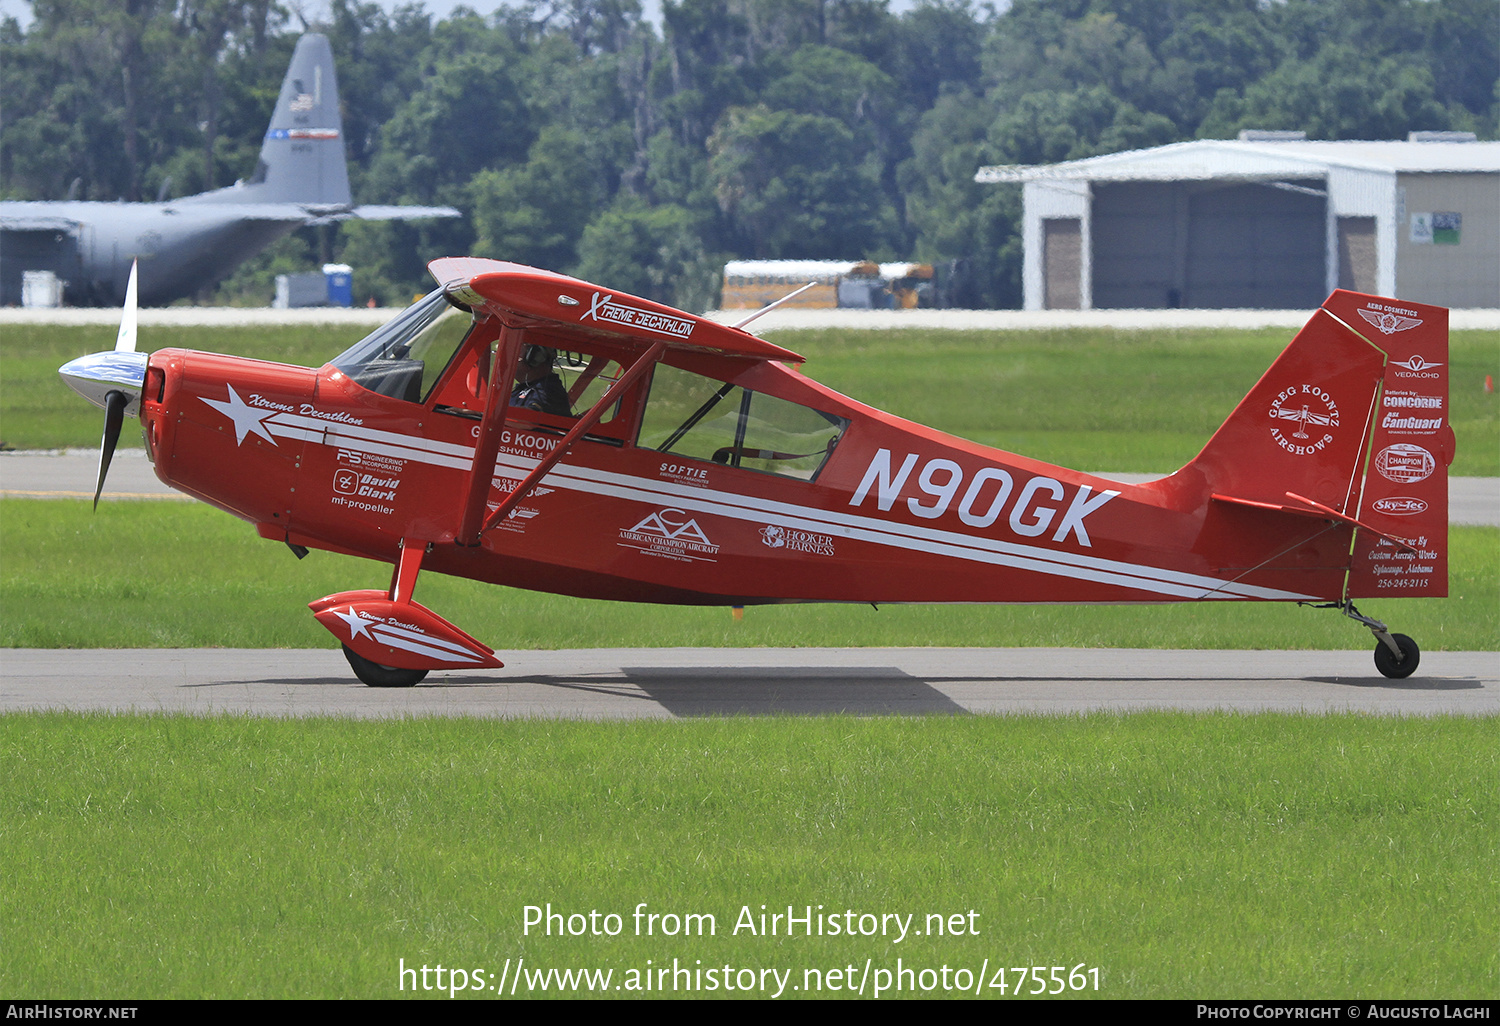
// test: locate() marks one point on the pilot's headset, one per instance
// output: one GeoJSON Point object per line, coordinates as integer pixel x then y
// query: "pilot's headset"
{"type": "Point", "coordinates": [535, 356]}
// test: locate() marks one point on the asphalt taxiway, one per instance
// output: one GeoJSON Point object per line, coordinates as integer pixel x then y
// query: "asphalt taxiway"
{"type": "Point", "coordinates": [606, 684]}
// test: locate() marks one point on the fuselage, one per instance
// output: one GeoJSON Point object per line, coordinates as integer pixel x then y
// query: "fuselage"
{"type": "Point", "coordinates": [895, 512]}
{"type": "Point", "coordinates": [182, 247]}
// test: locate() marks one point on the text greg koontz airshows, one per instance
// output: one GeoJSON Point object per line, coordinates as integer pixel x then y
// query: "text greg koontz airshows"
{"type": "Point", "coordinates": [1036, 504]}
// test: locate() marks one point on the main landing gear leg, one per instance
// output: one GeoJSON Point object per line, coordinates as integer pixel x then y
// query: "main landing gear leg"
{"type": "Point", "coordinates": [1396, 655]}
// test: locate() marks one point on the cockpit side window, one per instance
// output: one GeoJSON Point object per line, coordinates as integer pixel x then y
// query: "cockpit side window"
{"type": "Point", "coordinates": [404, 358]}
{"type": "Point", "coordinates": [719, 422]}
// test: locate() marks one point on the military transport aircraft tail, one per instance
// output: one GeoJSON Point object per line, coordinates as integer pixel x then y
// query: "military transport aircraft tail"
{"type": "Point", "coordinates": [302, 166]}
{"type": "Point", "coordinates": [1349, 426]}
{"type": "Point", "coordinates": [302, 156]}
{"type": "Point", "coordinates": [186, 245]}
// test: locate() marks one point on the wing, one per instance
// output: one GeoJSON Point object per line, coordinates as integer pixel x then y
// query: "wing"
{"type": "Point", "coordinates": [524, 296]}
{"type": "Point", "coordinates": [35, 217]}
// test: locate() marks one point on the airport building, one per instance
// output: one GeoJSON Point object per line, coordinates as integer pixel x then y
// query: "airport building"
{"type": "Point", "coordinates": [1268, 221]}
{"type": "Point", "coordinates": [856, 284]}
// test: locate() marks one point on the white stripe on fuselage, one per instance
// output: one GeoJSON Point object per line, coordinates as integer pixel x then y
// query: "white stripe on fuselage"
{"type": "Point", "coordinates": [1139, 577]}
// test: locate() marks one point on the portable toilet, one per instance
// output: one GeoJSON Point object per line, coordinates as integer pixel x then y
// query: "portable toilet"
{"type": "Point", "coordinates": [340, 284]}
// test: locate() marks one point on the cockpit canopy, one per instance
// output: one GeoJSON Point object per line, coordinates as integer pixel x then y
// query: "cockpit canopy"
{"type": "Point", "coordinates": [405, 357]}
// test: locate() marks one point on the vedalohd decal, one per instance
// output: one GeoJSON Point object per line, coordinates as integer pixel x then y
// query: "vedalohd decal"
{"type": "Point", "coordinates": [1415, 367]}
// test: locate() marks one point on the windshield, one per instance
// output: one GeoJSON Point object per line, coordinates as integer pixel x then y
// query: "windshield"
{"type": "Point", "coordinates": [405, 357]}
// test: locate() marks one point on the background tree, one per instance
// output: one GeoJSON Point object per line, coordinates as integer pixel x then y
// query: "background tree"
{"type": "Point", "coordinates": [575, 135]}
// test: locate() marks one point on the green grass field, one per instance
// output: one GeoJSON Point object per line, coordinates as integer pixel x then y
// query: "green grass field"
{"type": "Point", "coordinates": [1184, 856]}
{"type": "Point", "coordinates": [1137, 401]}
{"type": "Point", "coordinates": [169, 575]}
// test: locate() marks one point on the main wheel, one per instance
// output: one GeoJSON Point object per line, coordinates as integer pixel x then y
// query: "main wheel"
{"type": "Point", "coordinates": [1387, 664]}
{"type": "Point", "coordinates": [378, 676]}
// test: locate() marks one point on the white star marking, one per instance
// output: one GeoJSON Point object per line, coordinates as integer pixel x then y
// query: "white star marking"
{"type": "Point", "coordinates": [357, 623]}
{"type": "Point", "coordinates": [246, 419]}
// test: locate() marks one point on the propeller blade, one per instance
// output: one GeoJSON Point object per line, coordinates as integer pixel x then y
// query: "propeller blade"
{"type": "Point", "coordinates": [125, 341]}
{"type": "Point", "coordinates": [114, 416]}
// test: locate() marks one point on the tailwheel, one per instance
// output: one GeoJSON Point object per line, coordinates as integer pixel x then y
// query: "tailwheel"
{"type": "Point", "coordinates": [1392, 665]}
{"type": "Point", "coordinates": [378, 676]}
{"type": "Point", "coordinates": [1396, 655]}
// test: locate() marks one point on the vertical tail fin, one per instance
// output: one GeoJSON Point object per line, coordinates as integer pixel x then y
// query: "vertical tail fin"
{"type": "Point", "coordinates": [1302, 428]}
{"type": "Point", "coordinates": [302, 156]}
{"type": "Point", "coordinates": [1353, 417]}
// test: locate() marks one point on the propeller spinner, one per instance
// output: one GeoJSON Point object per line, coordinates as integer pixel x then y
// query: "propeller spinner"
{"type": "Point", "coordinates": [113, 380]}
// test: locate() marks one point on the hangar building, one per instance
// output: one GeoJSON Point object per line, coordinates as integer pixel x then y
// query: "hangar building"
{"type": "Point", "coordinates": [1268, 221]}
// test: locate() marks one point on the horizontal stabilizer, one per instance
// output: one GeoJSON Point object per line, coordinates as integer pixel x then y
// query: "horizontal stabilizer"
{"type": "Point", "coordinates": [1302, 506]}
{"type": "Point", "coordinates": [390, 212]}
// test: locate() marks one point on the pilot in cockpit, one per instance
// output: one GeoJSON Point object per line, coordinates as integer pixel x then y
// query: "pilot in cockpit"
{"type": "Point", "coordinates": [537, 385]}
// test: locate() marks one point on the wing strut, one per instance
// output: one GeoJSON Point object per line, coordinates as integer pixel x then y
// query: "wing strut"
{"type": "Point", "coordinates": [588, 420]}
{"type": "Point", "coordinates": [496, 377]}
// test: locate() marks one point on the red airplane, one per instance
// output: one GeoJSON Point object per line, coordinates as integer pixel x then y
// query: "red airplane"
{"type": "Point", "coordinates": [525, 428]}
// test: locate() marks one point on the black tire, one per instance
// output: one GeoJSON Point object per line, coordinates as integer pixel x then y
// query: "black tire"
{"type": "Point", "coordinates": [377, 676]}
{"type": "Point", "coordinates": [1387, 664]}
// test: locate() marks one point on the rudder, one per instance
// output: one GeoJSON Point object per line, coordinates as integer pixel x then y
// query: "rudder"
{"type": "Point", "coordinates": [1405, 484]}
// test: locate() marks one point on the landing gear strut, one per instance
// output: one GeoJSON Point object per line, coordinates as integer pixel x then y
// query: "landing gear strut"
{"type": "Point", "coordinates": [1396, 655]}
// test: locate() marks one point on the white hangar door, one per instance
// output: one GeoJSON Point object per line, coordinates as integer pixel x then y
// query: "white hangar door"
{"type": "Point", "coordinates": [1209, 245]}
{"type": "Point", "coordinates": [1257, 246]}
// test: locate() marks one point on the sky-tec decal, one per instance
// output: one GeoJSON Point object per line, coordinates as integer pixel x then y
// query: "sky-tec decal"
{"type": "Point", "coordinates": [1399, 506]}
